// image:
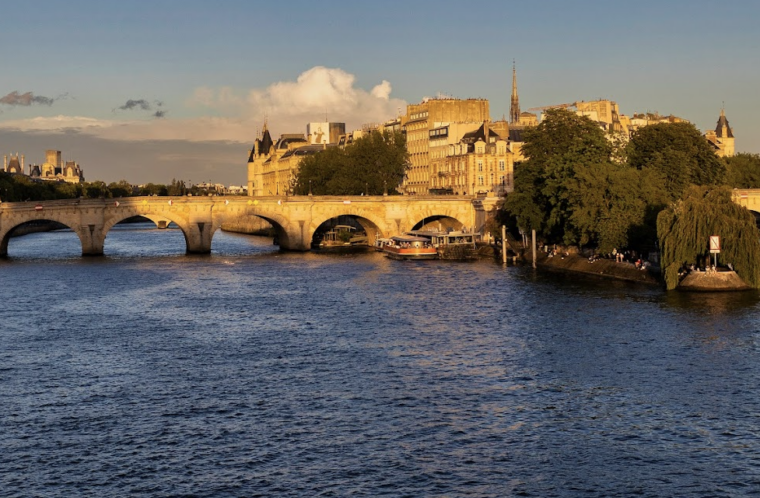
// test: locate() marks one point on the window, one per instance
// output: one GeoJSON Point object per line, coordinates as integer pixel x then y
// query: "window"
{"type": "Point", "coordinates": [480, 165]}
{"type": "Point", "coordinates": [480, 180]}
{"type": "Point", "coordinates": [502, 166]}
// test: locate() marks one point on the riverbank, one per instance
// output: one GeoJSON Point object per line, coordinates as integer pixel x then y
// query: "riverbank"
{"type": "Point", "coordinates": [601, 267]}
{"type": "Point", "coordinates": [713, 281]}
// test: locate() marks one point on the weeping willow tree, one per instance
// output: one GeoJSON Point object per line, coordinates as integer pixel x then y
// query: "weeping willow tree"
{"type": "Point", "coordinates": [684, 230]}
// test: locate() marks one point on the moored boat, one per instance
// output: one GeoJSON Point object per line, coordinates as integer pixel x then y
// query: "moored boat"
{"type": "Point", "coordinates": [410, 247]}
{"type": "Point", "coordinates": [455, 245]}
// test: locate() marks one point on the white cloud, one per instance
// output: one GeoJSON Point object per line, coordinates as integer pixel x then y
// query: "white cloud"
{"type": "Point", "coordinates": [287, 106]}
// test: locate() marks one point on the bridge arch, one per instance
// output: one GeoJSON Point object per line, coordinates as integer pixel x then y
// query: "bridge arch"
{"type": "Point", "coordinates": [9, 229]}
{"type": "Point", "coordinates": [437, 221]}
{"type": "Point", "coordinates": [280, 225]}
{"type": "Point", "coordinates": [373, 226]}
{"type": "Point", "coordinates": [145, 213]}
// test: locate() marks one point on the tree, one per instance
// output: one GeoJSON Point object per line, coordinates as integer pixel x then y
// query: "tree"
{"type": "Point", "coordinates": [121, 188]}
{"type": "Point", "coordinates": [743, 170]}
{"type": "Point", "coordinates": [685, 226]}
{"type": "Point", "coordinates": [679, 153]}
{"type": "Point", "coordinates": [609, 206]}
{"type": "Point", "coordinates": [372, 164]}
{"type": "Point", "coordinates": [554, 150]}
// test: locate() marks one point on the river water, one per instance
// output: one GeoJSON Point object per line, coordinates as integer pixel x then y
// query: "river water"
{"type": "Point", "coordinates": [251, 372]}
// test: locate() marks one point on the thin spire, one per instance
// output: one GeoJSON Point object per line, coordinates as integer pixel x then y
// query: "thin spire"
{"type": "Point", "coordinates": [514, 108]}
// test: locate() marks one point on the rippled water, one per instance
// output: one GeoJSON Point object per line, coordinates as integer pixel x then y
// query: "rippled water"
{"type": "Point", "coordinates": [255, 373]}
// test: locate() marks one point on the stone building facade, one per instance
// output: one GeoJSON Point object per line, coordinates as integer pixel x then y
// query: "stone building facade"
{"type": "Point", "coordinates": [480, 163]}
{"type": "Point", "coordinates": [272, 166]}
{"type": "Point", "coordinates": [53, 169]}
{"type": "Point", "coordinates": [427, 116]}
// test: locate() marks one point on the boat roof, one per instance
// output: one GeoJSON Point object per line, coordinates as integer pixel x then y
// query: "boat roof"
{"type": "Point", "coordinates": [408, 238]}
{"type": "Point", "coordinates": [430, 233]}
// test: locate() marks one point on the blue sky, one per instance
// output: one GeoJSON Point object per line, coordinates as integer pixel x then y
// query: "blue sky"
{"type": "Point", "coordinates": [214, 71]}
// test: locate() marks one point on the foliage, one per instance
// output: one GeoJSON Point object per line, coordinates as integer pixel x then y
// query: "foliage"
{"type": "Point", "coordinates": [743, 170]}
{"type": "Point", "coordinates": [684, 229]}
{"type": "Point", "coordinates": [15, 188]}
{"type": "Point", "coordinates": [679, 153]}
{"type": "Point", "coordinates": [608, 201]}
{"type": "Point", "coordinates": [121, 188]}
{"type": "Point", "coordinates": [568, 189]}
{"type": "Point", "coordinates": [373, 164]}
{"type": "Point", "coordinates": [153, 189]}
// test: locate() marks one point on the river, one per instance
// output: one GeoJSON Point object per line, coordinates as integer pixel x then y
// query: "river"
{"type": "Point", "coordinates": [252, 372]}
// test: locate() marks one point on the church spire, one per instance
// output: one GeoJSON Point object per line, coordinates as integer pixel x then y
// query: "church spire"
{"type": "Point", "coordinates": [514, 108]}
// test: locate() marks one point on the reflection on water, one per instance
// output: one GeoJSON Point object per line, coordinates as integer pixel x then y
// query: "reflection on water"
{"type": "Point", "coordinates": [250, 372]}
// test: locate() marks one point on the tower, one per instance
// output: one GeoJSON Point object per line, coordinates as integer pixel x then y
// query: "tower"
{"type": "Point", "coordinates": [725, 134]}
{"type": "Point", "coordinates": [722, 138]}
{"type": "Point", "coordinates": [514, 108]}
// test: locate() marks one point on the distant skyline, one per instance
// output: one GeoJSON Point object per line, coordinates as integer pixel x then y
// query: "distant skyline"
{"type": "Point", "coordinates": [150, 91]}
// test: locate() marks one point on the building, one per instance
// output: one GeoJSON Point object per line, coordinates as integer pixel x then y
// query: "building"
{"type": "Point", "coordinates": [480, 163]}
{"type": "Point", "coordinates": [436, 116]}
{"type": "Point", "coordinates": [722, 138]}
{"type": "Point", "coordinates": [272, 166]}
{"type": "Point", "coordinates": [53, 169]}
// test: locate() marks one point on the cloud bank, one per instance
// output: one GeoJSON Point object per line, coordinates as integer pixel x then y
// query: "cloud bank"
{"type": "Point", "coordinates": [287, 106]}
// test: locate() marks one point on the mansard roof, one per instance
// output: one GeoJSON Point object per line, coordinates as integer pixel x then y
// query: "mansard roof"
{"type": "Point", "coordinates": [722, 121]}
{"type": "Point", "coordinates": [306, 150]}
{"type": "Point", "coordinates": [516, 134]}
{"type": "Point", "coordinates": [289, 138]}
{"type": "Point", "coordinates": [479, 134]}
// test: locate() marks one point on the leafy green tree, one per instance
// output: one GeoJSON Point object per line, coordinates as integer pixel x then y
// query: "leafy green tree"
{"type": "Point", "coordinates": [371, 165]}
{"type": "Point", "coordinates": [685, 226]}
{"type": "Point", "coordinates": [743, 170]}
{"type": "Point", "coordinates": [679, 153]}
{"type": "Point", "coordinates": [122, 188]}
{"type": "Point", "coordinates": [609, 205]}
{"type": "Point", "coordinates": [554, 150]}
{"type": "Point", "coordinates": [153, 189]}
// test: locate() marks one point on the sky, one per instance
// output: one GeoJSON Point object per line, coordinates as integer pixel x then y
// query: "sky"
{"type": "Point", "coordinates": [168, 89]}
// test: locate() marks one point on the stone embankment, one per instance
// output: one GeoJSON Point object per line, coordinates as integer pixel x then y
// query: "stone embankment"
{"type": "Point", "coordinates": [601, 267]}
{"type": "Point", "coordinates": [255, 226]}
{"type": "Point", "coordinates": [713, 281]}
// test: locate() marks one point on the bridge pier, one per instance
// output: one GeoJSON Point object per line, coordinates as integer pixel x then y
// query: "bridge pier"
{"type": "Point", "coordinates": [198, 237]}
{"type": "Point", "coordinates": [92, 239]}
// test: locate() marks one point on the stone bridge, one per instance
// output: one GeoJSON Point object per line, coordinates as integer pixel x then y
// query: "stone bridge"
{"type": "Point", "coordinates": [295, 219]}
{"type": "Point", "coordinates": [749, 198]}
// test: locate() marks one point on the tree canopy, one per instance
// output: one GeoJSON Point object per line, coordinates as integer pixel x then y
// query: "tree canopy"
{"type": "Point", "coordinates": [684, 229]}
{"type": "Point", "coordinates": [373, 164]}
{"type": "Point", "coordinates": [743, 170]}
{"type": "Point", "coordinates": [678, 153]}
{"type": "Point", "coordinates": [542, 199]}
{"type": "Point", "coordinates": [578, 185]}
{"type": "Point", "coordinates": [570, 191]}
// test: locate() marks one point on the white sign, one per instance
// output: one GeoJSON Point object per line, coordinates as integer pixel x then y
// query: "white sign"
{"type": "Point", "coordinates": [714, 244]}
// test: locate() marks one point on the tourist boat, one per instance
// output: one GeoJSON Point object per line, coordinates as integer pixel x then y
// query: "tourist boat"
{"type": "Point", "coordinates": [457, 245]}
{"type": "Point", "coordinates": [410, 247]}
